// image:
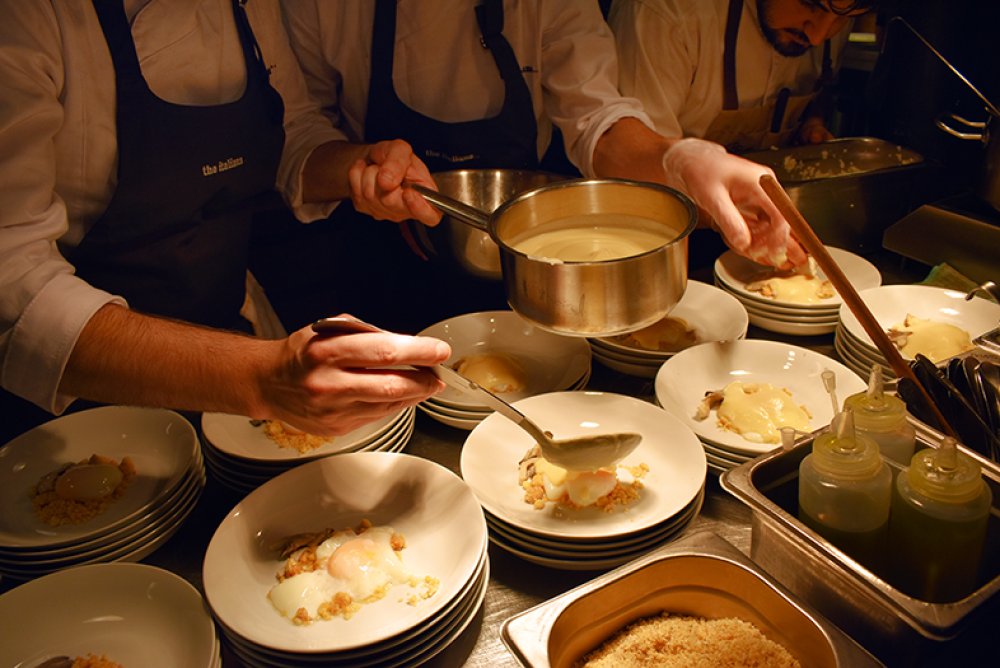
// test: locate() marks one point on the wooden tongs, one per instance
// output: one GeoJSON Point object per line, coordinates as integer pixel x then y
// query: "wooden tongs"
{"type": "Point", "coordinates": [805, 235]}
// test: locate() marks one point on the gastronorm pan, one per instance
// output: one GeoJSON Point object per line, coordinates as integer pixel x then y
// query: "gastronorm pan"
{"type": "Point", "coordinates": [699, 575]}
{"type": "Point", "coordinates": [896, 627]}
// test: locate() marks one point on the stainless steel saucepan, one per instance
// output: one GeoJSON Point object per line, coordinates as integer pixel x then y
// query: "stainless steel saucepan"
{"type": "Point", "coordinates": [612, 256]}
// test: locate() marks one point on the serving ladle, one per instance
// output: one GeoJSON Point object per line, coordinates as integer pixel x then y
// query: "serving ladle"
{"type": "Point", "coordinates": [579, 453]}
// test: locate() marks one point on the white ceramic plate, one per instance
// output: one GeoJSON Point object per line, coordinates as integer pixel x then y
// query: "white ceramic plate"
{"type": "Point", "coordinates": [628, 368]}
{"type": "Point", "coordinates": [237, 436]}
{"type": "Point", "coordinates": [135, 614]}
{"type": "Point", "coordinates": [736, 271]}
{"type": "Point", "coordinates": [676, 463]}
{"type": "Point", "coordinates": [683, 380]}
{"type": "Point", "coordinates": [550, 361]}
{"type": "Point", "coordinates": [713, 314]}
{"type": "Point", "coordinates": [890, 305]}
{"type": "Point", "coordinates": [792, 328]}
{"type": "Point", "coordinates": [160, 443]}
{"type": "Point", "coordinates": [594, 549]}
{"type": "Point", "coordinates": [570, 563]}
{"type": "Point", "coordinates": [468, 424]}
{"type": "Point", "coordinates": [436, 512]}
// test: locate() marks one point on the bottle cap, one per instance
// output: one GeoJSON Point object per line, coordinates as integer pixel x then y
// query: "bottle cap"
{"type": "Point", "coordinates": [842, 453]}
{"type": "Point", "coordinates": [874, 410]}
{"type": "Point", "coordinates": [945, 474]}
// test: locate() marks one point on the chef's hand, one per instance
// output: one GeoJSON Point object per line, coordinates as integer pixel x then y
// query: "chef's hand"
{"type": "Point", "coordinates": [727, 188]}
{"type": "Point", "coordinates": [331, 385]}
{"type": "Point", "coordinates": [377, 184]}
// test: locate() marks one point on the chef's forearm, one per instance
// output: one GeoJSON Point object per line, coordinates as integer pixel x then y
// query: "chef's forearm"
{"type": "Point", "coordinates": [123, 357]}
{"type": "Point", "coordinates": [631, 150]}
{"type": "Point", "coordinates": [324, 177]}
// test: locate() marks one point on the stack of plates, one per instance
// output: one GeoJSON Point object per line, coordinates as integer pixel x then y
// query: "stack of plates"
{"type": "Point", "coordinates": [430, 506]}
{"type": "Point", "coordinates": [132, 614]}
{"type": "Point", "coordinates": [549, 362]}
{"type": "Point", "coordinates": [733, 272]}
{"type": "Point", "coordinates": [685, 378]}
{"type": "Point", "coordinates": [586, 538]}
{"type": "Point", "coordinates": [242, 457]}
{"type": "Point", "coordinates": [890, 304]}
{"type": "Point", "coordinates": [169, 481]}
{"type": "Point", "coordinates": [711, 313]}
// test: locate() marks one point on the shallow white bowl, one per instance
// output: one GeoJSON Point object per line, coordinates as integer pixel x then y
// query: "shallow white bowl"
{"type": "Point", "coordinates": [683, 380]}
{"type": "Point", "coordinates": [676, 463]}
{"type": "Point", "coordinates": [436, 512]}
{"type": "Point", "coordinates": [161, 443]}
{"type": "Point", "coordinates": [736, 271]}
{"type": "Point", "coordinates": [135, 614]}
{"type": "Point", "coordinates": [890, 304]}
{"type": "Point", "coordinates": [237, 436]}
{"type": "Point", "coordinates": [712, 313]}
{"type": "Point", "coordinates": [550, 361]}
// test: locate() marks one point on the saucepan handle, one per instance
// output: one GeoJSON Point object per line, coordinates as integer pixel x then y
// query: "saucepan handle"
{"type": "Point", "coordinates": [453, 207]}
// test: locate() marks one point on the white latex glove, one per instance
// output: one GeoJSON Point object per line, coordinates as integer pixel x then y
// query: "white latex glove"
{"type": "Point", "coordinates": [728, 188]}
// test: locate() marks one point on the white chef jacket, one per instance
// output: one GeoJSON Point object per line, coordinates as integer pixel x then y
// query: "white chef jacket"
{"type": "Point", "coordinates": [670, 57]}
{"type": "Point", "coordinates": [565, 49]}
{"type": "Point", "coordinates": [58, 149]}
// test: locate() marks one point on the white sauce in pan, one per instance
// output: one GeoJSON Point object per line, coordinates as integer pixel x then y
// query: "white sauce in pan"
{"type": "Point", "coordinates": [592, 237]}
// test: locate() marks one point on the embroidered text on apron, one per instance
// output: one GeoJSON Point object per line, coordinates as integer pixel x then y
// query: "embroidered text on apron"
{"type": "Point", "coordinates": [173, 240]}
{"type": "Point", "coordinates": [756, 128]}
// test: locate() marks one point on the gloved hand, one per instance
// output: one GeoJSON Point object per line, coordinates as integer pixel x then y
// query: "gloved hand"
{"type": "Point", "coordinates": [728, 189]}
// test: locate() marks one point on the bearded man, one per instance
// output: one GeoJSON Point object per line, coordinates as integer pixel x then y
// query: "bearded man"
{"type": "Point", "coordinates": [747, 74]}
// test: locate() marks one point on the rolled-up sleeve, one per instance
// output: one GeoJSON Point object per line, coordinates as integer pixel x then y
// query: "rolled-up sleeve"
{"type": "Point", "coordinates": [305, 126]}
{"type": "Point", "coordinates": [580, 79]}
{"type": "Point", "coordinates": [43, 306]}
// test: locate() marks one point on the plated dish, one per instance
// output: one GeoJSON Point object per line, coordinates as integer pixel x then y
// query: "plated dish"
{"type": "Point", "coordinates": [891, 304]}
{"type": "Point", "coordinates": [684, 379]}
{"type": "Point", "coordinates": [545, 361]}
{"type": "Point", "coordinates": [162, 445]}
{"type": "Point", "coordinates": [675, 461]}
{"type": "Point", "coordinates": [436, 512]}
{"type": "Point", "coordinates": [134, 614]}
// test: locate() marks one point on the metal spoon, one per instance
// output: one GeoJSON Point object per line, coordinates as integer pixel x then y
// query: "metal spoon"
{"type": "Point", "coordinates": [582, 453]}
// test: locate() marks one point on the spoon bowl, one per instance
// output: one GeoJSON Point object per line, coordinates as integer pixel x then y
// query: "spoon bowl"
{"type": "Point", "coordinates": [580, 453]}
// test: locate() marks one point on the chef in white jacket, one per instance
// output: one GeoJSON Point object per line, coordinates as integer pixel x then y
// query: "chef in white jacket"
{"type": "Point", "coordinates": [746, 74]}
{"type": "Point", "coordinates": [481, 85]}
{"type": "Point", "coordinates": [136, 137]}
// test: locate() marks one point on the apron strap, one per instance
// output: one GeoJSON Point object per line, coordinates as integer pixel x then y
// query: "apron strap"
{"type": "Point", "coordinates": [490, 18]}
{"type": "Point", "coordinates": [730, 98]}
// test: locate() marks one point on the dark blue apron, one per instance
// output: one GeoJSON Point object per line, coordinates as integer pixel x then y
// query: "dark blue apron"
{"type": "Point", "coordinates": [174, 238]}
{"type": "Point", "coordinates": [372, 269]}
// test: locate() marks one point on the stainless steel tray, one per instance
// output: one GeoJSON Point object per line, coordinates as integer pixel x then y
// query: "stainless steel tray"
{"type": "Point", "coordinates": [884, 619]}
{"type": "Point", "coordinates": [700, 575]}
{"type": "Point", "coordinates": [850, 190]}
{"type": "Point", "coordinates": [836, 159]}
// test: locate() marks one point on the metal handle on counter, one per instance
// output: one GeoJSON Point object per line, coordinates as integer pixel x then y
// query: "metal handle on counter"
{"type": "Point", "coordinates": [469, 215]}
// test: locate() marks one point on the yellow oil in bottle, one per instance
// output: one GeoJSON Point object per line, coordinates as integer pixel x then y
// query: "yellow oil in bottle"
{"type": "Point", "coordinates": [937, 527]}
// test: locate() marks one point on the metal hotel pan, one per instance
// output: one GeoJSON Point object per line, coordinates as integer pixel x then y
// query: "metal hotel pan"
{"type": "Point", "coordinates": [699, 575]}
{"type": "Point", "coordinates": [587, 298]}
{"type": "Point", "coordinates": [896, 627]}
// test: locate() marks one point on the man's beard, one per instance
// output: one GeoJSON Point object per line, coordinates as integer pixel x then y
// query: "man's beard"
{"type": "Point", "coordinates": [781, 40]}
